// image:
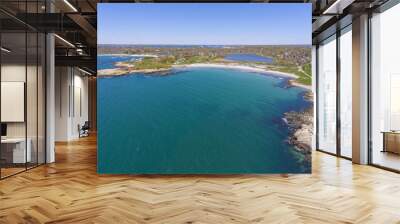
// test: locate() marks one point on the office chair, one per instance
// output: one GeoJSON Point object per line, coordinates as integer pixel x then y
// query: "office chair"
{"type": "Point", "coordinates": [84, 130]}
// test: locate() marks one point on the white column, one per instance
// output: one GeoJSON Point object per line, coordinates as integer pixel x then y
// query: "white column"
{"type": "Point", "coordinates": [50, 99]}
{"type": "Point", "coordinates": [360, 90]}
{"type": "Point", "coordinates": [63, 98]}
{"type": "Point", "coordinates": [314, 88]}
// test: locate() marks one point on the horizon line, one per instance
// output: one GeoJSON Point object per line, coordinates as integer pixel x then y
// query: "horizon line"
{"type": "Point", "coordinates": [207, 44]}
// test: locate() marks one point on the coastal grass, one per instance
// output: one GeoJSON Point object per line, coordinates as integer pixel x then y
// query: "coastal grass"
{"type": "Point", "coordinates": [303, 72]}
{"type": "Point", "coordinates": [154, 63]}
{"type": "Point", "coordinates": [307, 68]}
{"type": "Point", "coordinates": [167, 61]}
{"type": "Point", "coordinates": [197, 59]}
{"type": "Point", "coordinates": [305, 77]}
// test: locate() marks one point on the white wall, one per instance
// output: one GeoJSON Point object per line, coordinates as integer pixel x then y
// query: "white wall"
{"type": "Point", "coordinates": [69, 84]}
{"type": "Point", "coordinates": [62, 82]}
{"type": "Point", "coordinates": [33, 126]}
{"type": "Point", "coordinates": [80, 112]}
{"type": "Point", "coordinates": [12, 73]}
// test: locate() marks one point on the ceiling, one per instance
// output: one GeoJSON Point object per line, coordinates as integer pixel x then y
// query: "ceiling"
{"type": "Point", "coordinates": [75, 21]}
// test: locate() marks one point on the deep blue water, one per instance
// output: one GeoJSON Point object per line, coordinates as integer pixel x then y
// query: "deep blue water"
{"type": "Point", "coordinates": [108, 61]}
{"type": "Point", "coordinates": [248, 58]}
{"type": "Point", "coordinates": [196, 121]}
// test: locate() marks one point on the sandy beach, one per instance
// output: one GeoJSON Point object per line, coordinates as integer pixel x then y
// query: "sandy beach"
{"type": "Point", "coordinates": [125, 68]}
{"type": "Point", "coordinates": [242, 67]}
{"type": "Point", "coordinates": [294, 83]}
{"type": "Point", "coordinates": [249, 68]}
{"type": "Point", "coordinates": [136, 55]}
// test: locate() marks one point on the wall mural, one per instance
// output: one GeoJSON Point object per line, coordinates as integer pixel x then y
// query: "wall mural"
{"type": "Point", "coordinates": [204, 88]}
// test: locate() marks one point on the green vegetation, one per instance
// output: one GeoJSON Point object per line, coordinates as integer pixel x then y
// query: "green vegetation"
{"type": "Point", "coordinates": [167, 61]}
{"type": "Point", "coordinates": [154, 63]}
{"type": "Point", "coordinates": [282, 55]}
{"type": "Point", "coordinates": [307, 68]}
{"type": "Point", "coordinates": [196, 59]}
{"type": "Point", "coordinates": [305, 76]}
{"type": "Point", "coordinates": [303, 72]}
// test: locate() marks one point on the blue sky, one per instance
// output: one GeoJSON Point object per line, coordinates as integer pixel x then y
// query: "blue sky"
{"type": "Point", "coordinates": [248, 23]}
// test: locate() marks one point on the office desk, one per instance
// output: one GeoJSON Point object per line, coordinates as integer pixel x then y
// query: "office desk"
{"type": "Point", "coordinates": [391, 141]}
{"type": "Point", "coordinates": [15, 148]}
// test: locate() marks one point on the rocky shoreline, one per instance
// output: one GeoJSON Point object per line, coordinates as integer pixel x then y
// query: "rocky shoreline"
{"type": "Point", "coordinates": [301, 128]}
{"type": "Point", "coordinates": [121, 72]}
{"type": "Point", "coordinates": [125, 68]}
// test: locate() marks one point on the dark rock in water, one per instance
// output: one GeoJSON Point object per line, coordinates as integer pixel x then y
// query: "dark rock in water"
{"type": "Point", "coordinates": [309, 96]}
{"type": "Point", "coordinates": [301, 126]}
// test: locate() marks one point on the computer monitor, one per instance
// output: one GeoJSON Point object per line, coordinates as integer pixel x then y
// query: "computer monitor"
{"type": "Point", "coordinates": [3, 129]}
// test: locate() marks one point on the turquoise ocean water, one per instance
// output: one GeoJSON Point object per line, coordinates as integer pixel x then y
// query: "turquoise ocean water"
{"type": "Point", "coordinates": [197, 121]}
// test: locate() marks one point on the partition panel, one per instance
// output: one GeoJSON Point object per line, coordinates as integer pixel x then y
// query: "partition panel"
{"type": "Point", "coordinates": [22, 77]}
{"type": "Point", "coordinates": [15, 150]}
{"type": "Point", "coordinates": [385, 89]}
{"type": "Point", "coordinates": [327, 95]}
{"type": "Point", "coordinates": [31, 100]}
{"type": "Point", "coordinates": [346, 92]}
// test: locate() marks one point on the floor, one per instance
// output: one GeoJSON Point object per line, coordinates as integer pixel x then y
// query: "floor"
{"type": "Point", "coordinates": [10, 171]}
{"type": "Point", "coordinates": [386, 159]}
{"type": "Point", "coordinates": [5, 172]}
{"type": "Point", "coordinates": [70, 191]}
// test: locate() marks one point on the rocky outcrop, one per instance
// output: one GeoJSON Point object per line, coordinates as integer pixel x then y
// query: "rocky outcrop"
{"type": "Point", "coordinates": [124, 71]}
{"type": "Point", "coordinates": [301, 126]}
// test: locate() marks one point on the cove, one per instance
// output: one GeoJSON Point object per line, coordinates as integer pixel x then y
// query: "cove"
{"type": "Point", "coordinates": [197, 121]}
